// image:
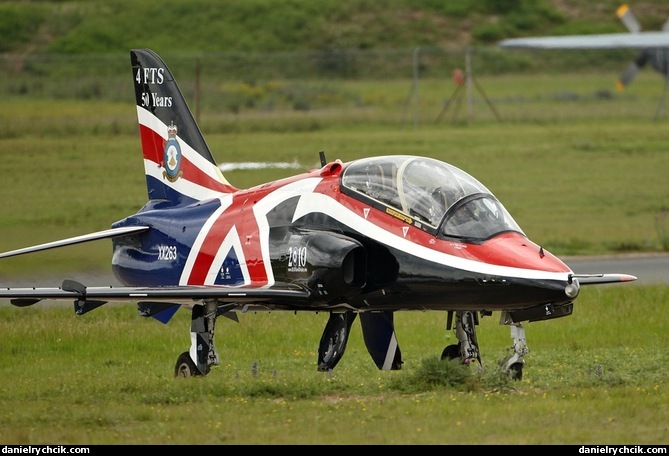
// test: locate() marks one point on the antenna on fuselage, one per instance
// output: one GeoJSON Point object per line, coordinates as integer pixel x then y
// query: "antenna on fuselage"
{"type": "Point", "coordinates": [322, 155]}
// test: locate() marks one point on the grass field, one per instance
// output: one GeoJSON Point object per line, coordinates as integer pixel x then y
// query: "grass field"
{"type": "Point", "coordinates": [598, 377]}
{"type": "Point", "coordinates": [581, 177]}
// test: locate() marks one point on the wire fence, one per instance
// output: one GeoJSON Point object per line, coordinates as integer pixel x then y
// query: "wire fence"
{"type": "Point", "coordinates": [403, 83]}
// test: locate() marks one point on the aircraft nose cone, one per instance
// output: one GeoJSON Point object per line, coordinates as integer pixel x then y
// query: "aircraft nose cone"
{"type": "Point", "coordinates": [572, 289]}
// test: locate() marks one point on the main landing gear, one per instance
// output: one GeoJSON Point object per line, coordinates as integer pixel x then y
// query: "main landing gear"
{"type": "Point", "coordinates": [467, 348]}
{"type": "Point", "coordinates": [202, 354]}
{"type": "Point", "coordinates": [378, 333]}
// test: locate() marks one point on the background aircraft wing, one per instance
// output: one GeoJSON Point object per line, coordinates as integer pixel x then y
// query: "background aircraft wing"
{"type": "Point", "coordinates": [640, 40]}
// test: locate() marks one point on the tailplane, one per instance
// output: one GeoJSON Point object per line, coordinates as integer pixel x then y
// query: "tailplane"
{"type": "Point", "coordinates": [178, 164]}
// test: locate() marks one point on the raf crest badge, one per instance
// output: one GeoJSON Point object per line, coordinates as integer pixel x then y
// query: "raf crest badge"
{"type": "Point", "coordinates": [172, 155]}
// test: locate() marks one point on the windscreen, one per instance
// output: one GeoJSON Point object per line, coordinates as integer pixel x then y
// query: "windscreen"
{"type": "Point", "coordinates": [440, 195]}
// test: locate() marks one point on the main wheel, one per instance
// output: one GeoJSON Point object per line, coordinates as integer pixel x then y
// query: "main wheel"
{"type": "Point", "coordinates": [333, 342]}
{"type": "Point", "coordinates": [451, 352]}
{"type": "Point", "coordinates": [185, 366]}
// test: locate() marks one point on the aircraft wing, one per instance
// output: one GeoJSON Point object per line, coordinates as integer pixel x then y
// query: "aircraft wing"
{"type": "Point", "coordinates": [75, 291]}
{"type": "Point", "coordinates": [592, 279]}
{"type": "Point", "coordinates": [105, 234]}
{"type": "Point", "coordinates": [640, 40]}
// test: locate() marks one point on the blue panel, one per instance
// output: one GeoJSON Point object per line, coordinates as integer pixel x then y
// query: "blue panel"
{"type": "Point", "coordinates": [230, 272]}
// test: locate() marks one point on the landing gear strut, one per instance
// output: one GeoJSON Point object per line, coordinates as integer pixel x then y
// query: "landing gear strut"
{"type": "Point", "coordinates": [514, 362]}
{"type": "Point", "coordinates": [202, 354]}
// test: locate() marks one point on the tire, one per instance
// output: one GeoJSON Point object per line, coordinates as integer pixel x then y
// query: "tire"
{"type": "Point", "coordinates": [333, 342]}
{"type": "Point", "coordinates": [451, 352]}
{"type": "Point", "coordinates": [516, 371]}
{"type": "Point", "coordinates": [185, 367]}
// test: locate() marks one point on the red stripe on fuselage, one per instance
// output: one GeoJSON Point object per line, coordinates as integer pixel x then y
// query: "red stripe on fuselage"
{"type": "Point", "coordinates": [239, 214]}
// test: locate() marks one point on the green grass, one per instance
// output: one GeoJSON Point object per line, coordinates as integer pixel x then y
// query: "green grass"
{"type": "Point", "coordinates": [596, 377]}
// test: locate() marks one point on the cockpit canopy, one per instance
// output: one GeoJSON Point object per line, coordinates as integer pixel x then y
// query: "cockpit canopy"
{"type": "Point", "coordinates": [438, 197]}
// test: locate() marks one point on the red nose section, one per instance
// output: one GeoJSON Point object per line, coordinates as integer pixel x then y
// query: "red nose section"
{"type": "Point", "coordinates": [516, 250]}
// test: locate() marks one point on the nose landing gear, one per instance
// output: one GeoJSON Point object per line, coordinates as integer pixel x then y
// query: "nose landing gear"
{"type": "Point", "coordinates": [514, 362]}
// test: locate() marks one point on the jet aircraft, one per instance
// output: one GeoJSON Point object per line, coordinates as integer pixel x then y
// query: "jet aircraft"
{"type": "Point", "coordinates": [654, 46]}
{"type": "Point", "coordinates": [366, 238]}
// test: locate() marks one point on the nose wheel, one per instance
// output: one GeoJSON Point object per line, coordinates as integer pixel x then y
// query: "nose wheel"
{"type": "Point", "coordinates": [515, 361]}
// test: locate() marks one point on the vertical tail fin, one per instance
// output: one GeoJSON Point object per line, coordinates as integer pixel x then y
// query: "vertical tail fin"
{"type": "Point", "coordinates": [178, 164]}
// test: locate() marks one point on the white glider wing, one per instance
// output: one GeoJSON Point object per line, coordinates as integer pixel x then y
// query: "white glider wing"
{"type": "Point", "coordinates": [641, 40]}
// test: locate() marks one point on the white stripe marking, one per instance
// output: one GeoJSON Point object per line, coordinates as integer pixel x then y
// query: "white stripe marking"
{"type": "Point", "coordinates": [316, 202]}
{"type": "Point", "coordinates": [390, 354]}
